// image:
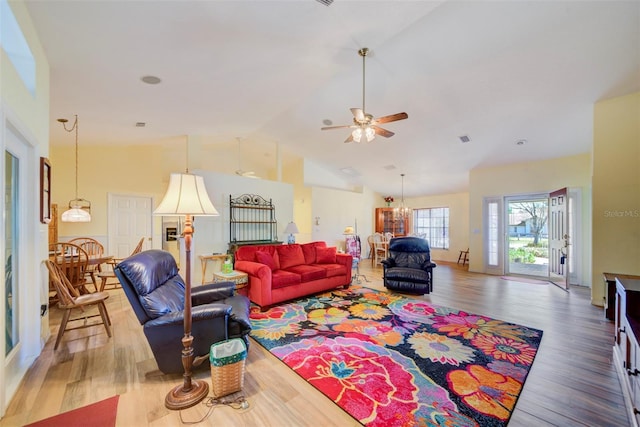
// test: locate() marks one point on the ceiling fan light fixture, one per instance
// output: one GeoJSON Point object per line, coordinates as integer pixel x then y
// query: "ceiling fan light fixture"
{"type": "Point", "coordinates": [357, 134]}
{"type": "Point", "coordinates": [370, 133]}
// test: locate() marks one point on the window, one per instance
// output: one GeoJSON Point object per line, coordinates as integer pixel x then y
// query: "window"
{"type": "Point", "coordinates": [433, 224]}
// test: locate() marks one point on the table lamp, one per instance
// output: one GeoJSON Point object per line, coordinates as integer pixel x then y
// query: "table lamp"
{"type": "Point", "coordinates": [291, 229]}
{"type": "Point", "coordinates": [186, 196]}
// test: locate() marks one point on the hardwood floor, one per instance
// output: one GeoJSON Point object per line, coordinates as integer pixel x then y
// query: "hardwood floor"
{"type": "Point", "coordinates": [572, 382]}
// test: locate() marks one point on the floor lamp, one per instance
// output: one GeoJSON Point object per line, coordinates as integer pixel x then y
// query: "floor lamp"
{"type": "Point", "coordinates": [186, 196]}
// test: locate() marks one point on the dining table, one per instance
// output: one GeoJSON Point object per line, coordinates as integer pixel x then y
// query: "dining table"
{"type": "Point", "coordinates": [77, 278]}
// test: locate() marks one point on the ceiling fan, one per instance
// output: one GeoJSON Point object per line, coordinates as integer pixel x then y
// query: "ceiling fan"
{"type": "Point", "coordinates": [240, 171]}
{"type": "Point", "coordinates": [364, 124]}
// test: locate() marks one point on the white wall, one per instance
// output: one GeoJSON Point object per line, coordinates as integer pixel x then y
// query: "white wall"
{"type": "Point", "coordinates": [212, 233]}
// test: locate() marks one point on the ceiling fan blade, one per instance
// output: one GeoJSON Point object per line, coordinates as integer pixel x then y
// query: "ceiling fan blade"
{"type": "Point", "coordinates": [350, 139]}
{"type": "Point", "coordinates": [392, 118]}
{"type": "Point", "coordinates": [358, 114]}
{"type": "Point", "coordinates": [382, 132]}
{"type": "Point", "coordinates": [337, 127]}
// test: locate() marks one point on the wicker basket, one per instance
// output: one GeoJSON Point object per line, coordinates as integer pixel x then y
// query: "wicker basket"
{"type": "Point", "coordinates": [227, 360]}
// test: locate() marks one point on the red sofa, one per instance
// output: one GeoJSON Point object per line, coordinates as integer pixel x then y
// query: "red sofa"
{"type": "Point", "coordinates": [282, 272]}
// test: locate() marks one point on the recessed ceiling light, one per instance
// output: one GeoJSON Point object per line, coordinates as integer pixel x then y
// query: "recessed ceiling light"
{"type": "Point", "coordinates": [521, 142]}
{"type": "Point", "coordinates": [152, 80]}
{"type": "Point", "coordinates": [349, 171]}
{"type": "Point", "coordinates": [327, 122]}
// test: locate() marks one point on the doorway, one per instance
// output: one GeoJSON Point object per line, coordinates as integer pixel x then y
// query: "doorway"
{"type": "Point", "coordinates": [535, 235]}
{"type": "Point", "coordinates": [527, 236]}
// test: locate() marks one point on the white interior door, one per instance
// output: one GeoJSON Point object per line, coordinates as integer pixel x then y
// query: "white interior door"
{"type": "Point", "coordinates": [130, 218]}
{"type": "Point", "coordinates": [559, 238]}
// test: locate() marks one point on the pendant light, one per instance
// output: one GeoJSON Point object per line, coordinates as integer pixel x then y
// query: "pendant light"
{"type": "Point", "coordinates": [402, 211]}
{"type": "Point", "coordinates": [79, 209]}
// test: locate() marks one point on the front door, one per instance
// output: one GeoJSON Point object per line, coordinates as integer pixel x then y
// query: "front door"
{"type": "Point", "coordinates": [559, 238]}
{"type": "Point", "coordinates": [129, 219]}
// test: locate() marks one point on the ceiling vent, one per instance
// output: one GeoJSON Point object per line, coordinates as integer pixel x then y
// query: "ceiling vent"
{"type": "Point", "coordinates": [464, 138]}
{"type": "Point", "coordinates": [325, 2]}
{"type": "Point", "coordinates": [390, 167]}
{"type": "Point", "coordinates": [140, 124]}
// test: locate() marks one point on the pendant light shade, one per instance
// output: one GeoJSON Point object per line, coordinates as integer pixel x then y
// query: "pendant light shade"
{"type": "Point", "coordinates": [79, 209]}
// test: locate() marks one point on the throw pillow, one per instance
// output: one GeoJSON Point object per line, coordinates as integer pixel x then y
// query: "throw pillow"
{"type": "Point", "coordinates": [326, 255]}
{"type": "Point", "coordinates": [290, 255]}
{"type": "Point", "coordinates": [267, 259]}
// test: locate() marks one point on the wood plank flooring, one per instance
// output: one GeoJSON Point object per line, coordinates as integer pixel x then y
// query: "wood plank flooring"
{"type": "Point", "coordinates": [572, 382]}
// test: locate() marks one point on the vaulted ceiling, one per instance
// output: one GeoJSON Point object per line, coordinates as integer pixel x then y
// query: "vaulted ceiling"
{"type": "Point", "coordinates": [270, 72]}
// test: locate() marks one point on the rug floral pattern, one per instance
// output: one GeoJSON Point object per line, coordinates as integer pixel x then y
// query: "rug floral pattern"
{"type": "Point", "coordinates": [389, 360]}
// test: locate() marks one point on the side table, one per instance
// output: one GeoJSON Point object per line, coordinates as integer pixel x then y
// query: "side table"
{"type": "Point", "coordinates": [204, 259]}
{"type": "Point", "coordinates": [240, 279]}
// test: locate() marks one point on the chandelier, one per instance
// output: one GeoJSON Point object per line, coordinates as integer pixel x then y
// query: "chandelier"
{"type": "Point", "coordinates": [79, 209]}
{"type": "Point", "coordinates": [402, 211]}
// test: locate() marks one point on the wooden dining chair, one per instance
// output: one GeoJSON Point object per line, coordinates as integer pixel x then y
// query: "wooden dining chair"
{"type": "Point", "coordinates": [370, 242]}
{"type": "Point", "coordinates": [108, 273]}
{"type": "Point", "coordinates": [93, 249]}
{"type": "Point", "coordinates": [73, 262]}
{"type": "Point", "coordinates": [69, 299]}
{"type": "Point", "coordinates": [380, 246]}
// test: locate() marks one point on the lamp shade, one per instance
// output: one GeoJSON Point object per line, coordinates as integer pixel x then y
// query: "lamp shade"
{"type": "Point", "coordinates": [291, 228]}
{"type": "Point", "coordinates": [75, 214]}
{"type": "Point", "coordinates": [348, 230]}
{"type": "Point", "coordinates": [186, 195]}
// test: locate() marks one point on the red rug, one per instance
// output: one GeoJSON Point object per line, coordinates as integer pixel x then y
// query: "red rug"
{"type": "Point", "coordinates": [99, 414]}
{"type": "Point", "coordinates": [388, 360]}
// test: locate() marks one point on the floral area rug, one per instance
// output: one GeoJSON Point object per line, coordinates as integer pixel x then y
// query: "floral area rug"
{"type": "Point", "coordinates": [389, 360]}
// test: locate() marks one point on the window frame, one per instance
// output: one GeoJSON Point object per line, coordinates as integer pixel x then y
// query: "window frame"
{"type": "Point", "coordinates": [443, 241]}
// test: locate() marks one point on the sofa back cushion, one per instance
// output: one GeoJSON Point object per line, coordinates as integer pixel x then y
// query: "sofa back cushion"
{"type": "Point", "coordinates": [290, 255]}
{"type": "Point", "coordinates": [271, 261]}
{"type": "Point", "coordinates": [248, 253]}
{"type": "Point", "coordinates": [326, 255]}
{"type": "Point", "coordinates": [309, 251]}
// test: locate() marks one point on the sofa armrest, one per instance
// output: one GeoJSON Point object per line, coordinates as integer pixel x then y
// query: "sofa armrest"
{"type": "Point", "coordinates": [253, 268]}
{"type": "Point", "coordinates": [344, 259]}
{"type": "Point", "coordinates": [212, 292]}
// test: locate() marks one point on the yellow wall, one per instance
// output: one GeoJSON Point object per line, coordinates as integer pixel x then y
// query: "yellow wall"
{"type": "Point", "coordinates": [140, 170]}
{"type": "Point", "coordinates": [523, 178]}
{"type": "Point", "coordinates": [616, 188]}
{"type": "Point", "coordinates": [458, 205]}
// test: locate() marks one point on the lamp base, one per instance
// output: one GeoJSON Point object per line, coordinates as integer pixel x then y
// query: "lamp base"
{"type": "Point", "coordinates": [178, 398]}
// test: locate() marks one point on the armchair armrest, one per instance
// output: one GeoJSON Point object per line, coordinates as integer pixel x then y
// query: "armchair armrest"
{"type": "Point", "coordinates": [211, 292]}
{"type": "Point", "coordinates": [388, 263]}
{"type": "Point", "coordinates": [201, 312]}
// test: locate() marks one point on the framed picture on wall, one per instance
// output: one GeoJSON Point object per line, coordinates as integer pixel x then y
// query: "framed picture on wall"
{"type": "Point", "coordinates": [45, 190]}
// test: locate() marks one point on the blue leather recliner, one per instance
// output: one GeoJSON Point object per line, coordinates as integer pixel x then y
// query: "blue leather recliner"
{"type": "Point", "coordinates": [151, 282]}
{"type": "Point", "coordinates": [408, 267]}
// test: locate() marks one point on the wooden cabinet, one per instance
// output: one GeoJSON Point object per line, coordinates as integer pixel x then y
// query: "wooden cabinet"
{"type": "Point", "coordinates": [626, 350]}
{"type": "Point", "coordinates": [386, 222]}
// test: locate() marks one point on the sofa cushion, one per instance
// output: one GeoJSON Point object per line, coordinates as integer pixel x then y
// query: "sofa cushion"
{"type": "Point", "coordinates": [309, 252]}
{"type": "Point", "coordinates": [326, 255]}
{"type": "Point", "coordinates": [308, 272]}
{"type": "Point", "coordinates": [269, 260]}
{"type": "Point", "coordinates": [333, 270]}
{"type": "Point", "coordinates": [282, 278]}
{"type": "Point", "coordinates": [290, 256]}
